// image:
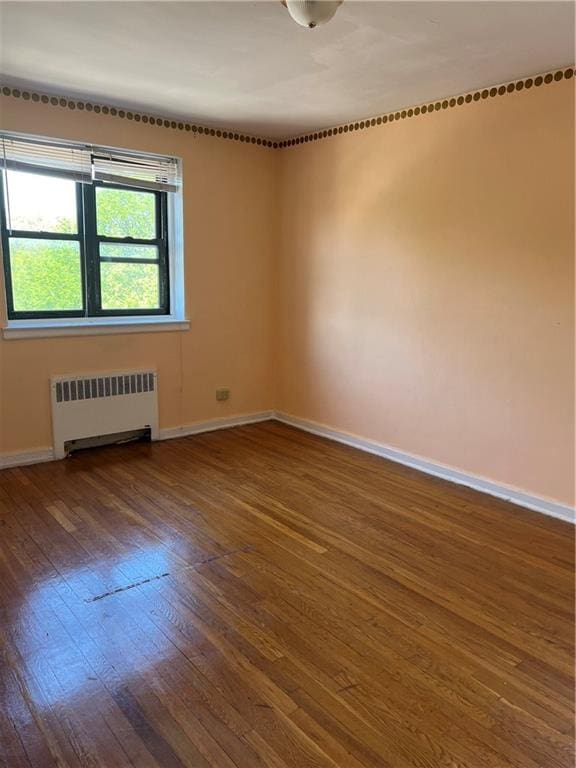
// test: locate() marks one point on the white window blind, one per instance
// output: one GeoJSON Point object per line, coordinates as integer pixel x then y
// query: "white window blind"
{"type": "Point", "coordinates": [150, 172]}
{"type": "Point", "coordinates": [86, 163]}
{"type": "Point", "coordinates": [69, 161]}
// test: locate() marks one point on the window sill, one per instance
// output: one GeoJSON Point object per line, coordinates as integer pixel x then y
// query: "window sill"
{"type": "Point", "coordinates": [94, 326]}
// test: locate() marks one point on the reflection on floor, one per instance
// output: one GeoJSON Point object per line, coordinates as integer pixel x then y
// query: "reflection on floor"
{"type": "Point", "coordinates": [262, 597]}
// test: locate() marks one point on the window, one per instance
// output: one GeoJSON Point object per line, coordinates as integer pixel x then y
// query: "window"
{"type": "Point", "coordinates": [85, 231]}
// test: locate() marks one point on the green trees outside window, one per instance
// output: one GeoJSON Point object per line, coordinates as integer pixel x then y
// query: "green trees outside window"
{"type": "Point", "coordinates": [75, 249]}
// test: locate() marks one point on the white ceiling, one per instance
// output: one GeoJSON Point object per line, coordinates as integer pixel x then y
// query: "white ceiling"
{"type": "Point", "coordinates": [247, 65]}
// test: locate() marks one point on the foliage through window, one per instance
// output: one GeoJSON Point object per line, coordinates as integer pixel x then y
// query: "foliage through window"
{"type": "Point", "coordinates": [84, 240]}
{"type": "Point", "coordinates": [77, 249]}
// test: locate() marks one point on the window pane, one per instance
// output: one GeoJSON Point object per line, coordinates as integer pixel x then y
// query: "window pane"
{"type": "Point", "coordinates": [126, 213]}
{"type": "Point", "coordinates": [40, 203]}
{"type": "Point", "coordinates": [46, 275]}
{"type": "Point", "coordinates": [129, 286]}
{"type": "Point", "coordinates": [113, 251]}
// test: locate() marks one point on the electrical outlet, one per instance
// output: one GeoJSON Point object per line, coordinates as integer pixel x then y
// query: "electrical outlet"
{"type": "Point", "coordinates": [222, 393]}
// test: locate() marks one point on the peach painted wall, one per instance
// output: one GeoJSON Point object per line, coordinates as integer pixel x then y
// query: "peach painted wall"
{"type": "Point", "coordinates": [422, 295]}
{"type": "Point", "coordinates": [230, 213]}
{"type": "Point", "coordinates": [428, 288]}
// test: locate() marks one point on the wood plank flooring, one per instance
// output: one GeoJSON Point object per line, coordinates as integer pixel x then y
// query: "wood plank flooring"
{"type": "Point", "coordinates": [263, 597]}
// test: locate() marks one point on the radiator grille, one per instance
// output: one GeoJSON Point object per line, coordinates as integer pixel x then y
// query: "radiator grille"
{"type": "Point", "coordinates": [94, 387]}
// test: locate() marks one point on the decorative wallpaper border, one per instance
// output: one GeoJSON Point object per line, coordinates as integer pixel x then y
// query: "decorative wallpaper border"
{"type": "Point", "coordinates": [435, 106]}
{"type": "Point", "coordinates": [455, 101]}
{"type": "Point", "coordinates": [137, 117]}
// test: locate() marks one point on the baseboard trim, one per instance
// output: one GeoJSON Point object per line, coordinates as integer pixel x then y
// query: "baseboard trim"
{"type": "Point", "coordinates": [212, 425]}
{"type": "Point", "coordinates": [514, 495]}
{"type": "Point", "coordinates": [23, 458]}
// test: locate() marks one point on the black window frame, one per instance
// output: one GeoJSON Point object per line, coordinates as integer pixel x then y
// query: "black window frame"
{"type": "Point", "coordinates": [89, 243]}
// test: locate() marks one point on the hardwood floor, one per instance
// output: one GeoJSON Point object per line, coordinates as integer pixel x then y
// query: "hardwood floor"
{"type": "Point", "coordinates": [262, 597]}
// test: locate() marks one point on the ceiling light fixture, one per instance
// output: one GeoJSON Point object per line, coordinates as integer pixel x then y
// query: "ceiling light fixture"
{"type": "Point", "coordinates": [311, 13]}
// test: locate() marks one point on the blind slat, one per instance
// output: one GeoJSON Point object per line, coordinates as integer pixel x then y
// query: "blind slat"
{"type": "Point", "coordinates": [86, 163]}
{"type": "Point", "coordinates": [64, 160]}
{"type": "Point", "coordinates": [160, 173]}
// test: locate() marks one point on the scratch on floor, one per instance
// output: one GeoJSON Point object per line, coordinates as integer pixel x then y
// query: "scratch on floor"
{"type": "Point", "coordinates": [247, 548]}
{"type": "Point", "coordinates": [348, 687]}
{"type": "Point", "coordinates": [135, 584]}
{"type": "Point", "coordinates": [125, 588]}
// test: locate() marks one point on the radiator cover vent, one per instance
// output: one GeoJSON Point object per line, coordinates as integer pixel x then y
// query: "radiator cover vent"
{"type": "Point", "coordinates": [104, 386]}
{"type": "Point", "coordinates": [95, 405]}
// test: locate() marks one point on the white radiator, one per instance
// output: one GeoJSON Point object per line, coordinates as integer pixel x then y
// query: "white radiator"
{"type": "Point", "coordinates": [94, 405]}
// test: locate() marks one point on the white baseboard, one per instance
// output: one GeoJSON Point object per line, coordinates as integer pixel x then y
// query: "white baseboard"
{"type": "Point", "coordinates": [536, 503]}
{"type": "Point", "coordinates": [213, 424]}
{"type": "Point", "coordinates": [22, 458]}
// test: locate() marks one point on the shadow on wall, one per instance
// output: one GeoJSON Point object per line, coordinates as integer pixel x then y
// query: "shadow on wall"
{"type": "Point", "coordinates": [428, 291]}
